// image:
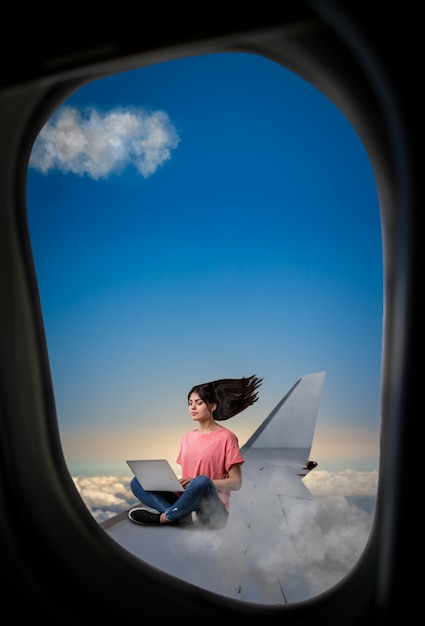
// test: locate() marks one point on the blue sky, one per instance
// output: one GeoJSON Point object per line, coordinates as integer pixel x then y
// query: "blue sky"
{"type": "Point", "coordinates": [205, 218]}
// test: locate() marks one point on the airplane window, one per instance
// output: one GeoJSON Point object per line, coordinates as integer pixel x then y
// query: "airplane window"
{"type": "Point", "coordinates": [204, 218]}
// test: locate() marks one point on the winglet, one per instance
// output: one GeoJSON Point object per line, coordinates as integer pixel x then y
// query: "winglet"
{"type": "Point", "coordinates": [287, 433]}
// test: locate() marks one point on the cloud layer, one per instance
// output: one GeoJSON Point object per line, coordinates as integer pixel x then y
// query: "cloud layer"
{"type": "Point", "coordinates": [96, 144]}
{"type": "Point", "coordinates": [322, 549]}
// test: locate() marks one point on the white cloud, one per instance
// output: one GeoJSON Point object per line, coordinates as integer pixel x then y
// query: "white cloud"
{"type": "Point", "coordinates": [346, 482]}
{"type": "Point", "coordinates": [96, 144]}
{"type": "Point", "coordinates": [104, 496]}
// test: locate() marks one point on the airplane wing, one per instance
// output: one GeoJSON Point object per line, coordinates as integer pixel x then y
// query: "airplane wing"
{"type": "Point", "coordinates": [255, 557]}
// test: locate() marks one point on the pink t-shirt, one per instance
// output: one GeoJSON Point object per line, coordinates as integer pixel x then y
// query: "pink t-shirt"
{"type": "Point", "coordinates": [210, 454]}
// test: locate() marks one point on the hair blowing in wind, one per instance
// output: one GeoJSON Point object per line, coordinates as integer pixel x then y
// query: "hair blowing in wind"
{"type": "Point", "coordinates": [232, 395]}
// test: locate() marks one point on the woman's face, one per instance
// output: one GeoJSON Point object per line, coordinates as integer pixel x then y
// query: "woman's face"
{"type": "Point", "coordinates": [198, 409]}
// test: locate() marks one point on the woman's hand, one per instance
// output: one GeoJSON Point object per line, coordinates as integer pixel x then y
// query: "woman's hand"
{"type": "Point", "coordinates": [185, 481]}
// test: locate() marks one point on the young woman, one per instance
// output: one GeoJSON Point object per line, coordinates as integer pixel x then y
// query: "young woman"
{"type": "Point", "coordinates": [209, 457]}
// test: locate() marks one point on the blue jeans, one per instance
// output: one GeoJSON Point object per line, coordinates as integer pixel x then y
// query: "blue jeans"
{"type": "Point", "coordinates": [200, 495]}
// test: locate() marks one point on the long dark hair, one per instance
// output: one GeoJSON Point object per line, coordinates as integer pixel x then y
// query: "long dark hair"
{"type": "Point", "coordinates": [232, 395]}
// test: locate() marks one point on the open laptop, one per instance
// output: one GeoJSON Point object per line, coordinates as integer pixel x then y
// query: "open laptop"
{"type": "Point", "coordinates": [155, 475]}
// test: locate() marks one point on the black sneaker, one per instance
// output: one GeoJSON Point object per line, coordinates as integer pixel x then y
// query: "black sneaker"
{"type": "Point", "coordinates": [143, 516]}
